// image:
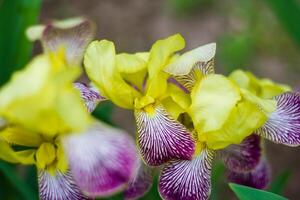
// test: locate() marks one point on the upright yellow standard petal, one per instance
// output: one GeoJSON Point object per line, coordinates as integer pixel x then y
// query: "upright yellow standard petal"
{"type": "Point", "coordinates": [160, 55]}
{"type": "Point", "coordinates": [100, 65]}
{"type": "Point", "coordinates": [129, 63]}
{"type": "Point", "coordinates": [213, 99]}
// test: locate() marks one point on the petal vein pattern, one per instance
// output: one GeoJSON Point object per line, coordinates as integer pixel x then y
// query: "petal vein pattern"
{"type": "Point", "coordinates": [283, 125]}
{"type": "Point", "coordinates": [59, 186]}
{"type": "Point", "coordinates": [161, 138]}
{"type": "Point", "coordinates": [187, 180]}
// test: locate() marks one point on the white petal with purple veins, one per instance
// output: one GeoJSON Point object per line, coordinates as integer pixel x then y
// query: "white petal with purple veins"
{"type": "Point", "coordinates": [283, 125]}
{"type": "Point", "coordinates": [102, 160]}
{"type": "Point", "coordinates": [90, 96]}
{"type": "Point", "coordinates": [187, 179]}
{"type": "Point", "coordinates": [59, 186]}
{"type": "Point", "coordinates": [161, 138]}
{"type": "Point", "coordinates": [199, 69]}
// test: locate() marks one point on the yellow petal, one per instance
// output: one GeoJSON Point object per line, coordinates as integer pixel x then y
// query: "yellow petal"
{"type": "Point", "coordinates": [160, 55]}
{"type": "Point", "coordinates": [184, 64]}
{"type": "Point", "coordinates": [212, 101]}
{"type": "Point", "coordinates": [267, 105]}
{"type": "Point", "coordinates": [45, 155]}
{"type": "Point", "coordinates": [263, 88]}
{"type": "Point", "coordinates": [33, 97]}
{"type": "Point", "coordinates": [19, 136]}
{"type": "Point", "coordinates": [161, 52]}
{"type": "Point", "coordinates": [62, 162]}
{"type": "Point", "coordinates": [129, 63]}
{"type": "Point", "coordinates": [244, 119]}
{"type": "Point", "coordinates": [180, 97]}
{"type": "Point", "coordinates": [100, 65]}
{"type": "Point", "coordinates": [157, 85]}
{"type": "Point", "coordinates": [9, 155]}
{"type": "Point", "coordinates": [172, 107]}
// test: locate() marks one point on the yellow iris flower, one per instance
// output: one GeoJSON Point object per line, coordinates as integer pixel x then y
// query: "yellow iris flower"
{"type": "Point", "coordinates": [39, 105]}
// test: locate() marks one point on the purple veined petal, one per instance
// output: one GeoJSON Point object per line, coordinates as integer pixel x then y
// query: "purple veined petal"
{"type": "Point", "coordinates": [242, 157]}
{"type": "Point", "coordinates": [90, 96]}
{"type": "Point", "coordinates": [161, 138]}
{"type": "Point", "coordinates": [187, 179]}
{"type": "Point", "coordinates": [74, 39]}
{"type": "Point", "coordinates": [188, 81]}
{"type": "Point", "coordinates": [258, 178]}
{"type": "Point", "coordinates": [102, 160]}
{"type": "Point", "coordinates": [59, 186]}
{"type": "Point", "coordinates": [140, 184]}
{"type": "Point", "coordinates": [283, 125]}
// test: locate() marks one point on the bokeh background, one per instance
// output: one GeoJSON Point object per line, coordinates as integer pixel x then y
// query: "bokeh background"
{"type": "Point", "coordinates": [259, 36]}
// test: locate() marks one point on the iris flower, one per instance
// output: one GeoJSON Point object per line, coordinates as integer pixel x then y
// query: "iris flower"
{"type": "Point", "coordinates": [185, 114]}
{"type": "Point", "coordinates": [43, 114]}
{"type": "Point", "coordinates": [138, 82]}
{"type": "Point", "coordinates": [225, 112]}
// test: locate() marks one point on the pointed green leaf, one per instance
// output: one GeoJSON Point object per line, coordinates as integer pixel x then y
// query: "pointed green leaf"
{"type": "Point", "coordinates": [248, 193]}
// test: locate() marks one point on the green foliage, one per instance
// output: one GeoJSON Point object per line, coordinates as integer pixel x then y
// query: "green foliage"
{"type": "Point", "coordinates": [21, 188]}
{"type": "Point", "coordinates": [288, 13]}
{"type": "Point", "coordinates": [104, 111]}
{"type": "Point", "coordinates": [280, 182]}
{"type": "Point", "coordinates": [217, 180]}
{"type": "Point", "coordinates": [187, 7]}
{"type": "Point", "coordinates": [248, 193]}
{"type": "Point", "coordinates": [235, 51]}
{"type": "Point", "coordinates": [15, 49]}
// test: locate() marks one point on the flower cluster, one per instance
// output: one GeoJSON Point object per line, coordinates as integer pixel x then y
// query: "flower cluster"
{"type": "Point", "coordinates": [186, 116]}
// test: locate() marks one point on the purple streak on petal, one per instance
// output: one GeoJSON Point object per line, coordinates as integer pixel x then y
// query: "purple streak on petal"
{"type": "Point", "coordinates": [283, 125]}
{"type": "Point", "coordinates": [140, 183]}
{"type": "Point", "coordinates": [102, 160]}
{"type": "Point", "coordinates": [162, 138]}
{"type": "Point", "coordinates": [180, 86]}
{"type": "Point", "coordinates": [145, 82]}
{"type": "Point", "coordinates": [60, 186]}
{"type": "Point", "coordinates": [133, 86]}
{"type": "Point", "coordinates": [90, 96]}
{"type": "Point", "coordinates": [187, 179]}
{"type": "Point", "coordinates": [242, 157]}
{"type": "Point", "coordinates": [258, 178]}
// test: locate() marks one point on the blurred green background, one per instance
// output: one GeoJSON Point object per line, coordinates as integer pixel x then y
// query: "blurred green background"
{"type": "Point", "coordinates": [260, 36]}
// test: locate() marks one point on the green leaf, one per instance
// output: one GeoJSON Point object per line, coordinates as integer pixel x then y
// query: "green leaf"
{"type": "Point", "coordinates": [248, 193]}
{"type": "Point", "coordinates": [217, 180]}
{"type": "Point", "coordinates": [19, 185]}
{"type": "Point", "coordinates": [288, 13]}
{"type": "Point", "coordinates": [15, 17]}
{"type": "Point", "coordinates": [104, 111]}
{"type": "Point", "coordinates": [280, 182]}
